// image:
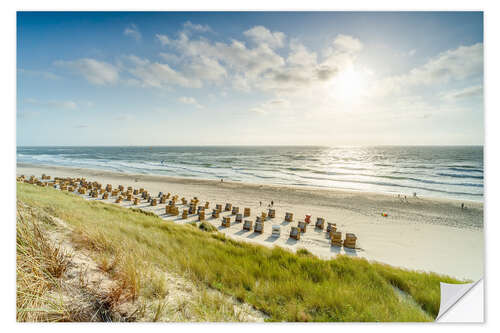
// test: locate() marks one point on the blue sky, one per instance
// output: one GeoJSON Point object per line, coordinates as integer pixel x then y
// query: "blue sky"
{"type": "Point", "coordinates": [202, 78]}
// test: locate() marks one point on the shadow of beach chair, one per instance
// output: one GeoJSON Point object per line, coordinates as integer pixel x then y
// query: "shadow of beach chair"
{"type": "Point", "coordinates": [276, 231]}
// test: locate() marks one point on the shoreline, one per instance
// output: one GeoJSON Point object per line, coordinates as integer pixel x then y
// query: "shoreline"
{"type": "Point", "coordinates": [424, 233]}
{"type": "Point", "coordinates": [183, 180]}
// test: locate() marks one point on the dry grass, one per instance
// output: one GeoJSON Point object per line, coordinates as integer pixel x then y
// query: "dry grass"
{"type": "Point", "coordinates": [39, 266]}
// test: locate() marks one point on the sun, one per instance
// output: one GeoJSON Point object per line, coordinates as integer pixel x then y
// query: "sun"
{"type": "Point", "coordinates": [349, 86]}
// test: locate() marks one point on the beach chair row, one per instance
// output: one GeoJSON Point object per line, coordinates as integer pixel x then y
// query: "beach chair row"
{"type": "Point", "coordinates": [94, 189]}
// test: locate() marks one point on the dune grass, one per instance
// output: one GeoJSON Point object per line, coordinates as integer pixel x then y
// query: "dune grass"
{"type": "Point", "coordinates": [283, 285]}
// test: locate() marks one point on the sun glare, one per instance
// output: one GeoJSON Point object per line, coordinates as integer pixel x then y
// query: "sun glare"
{"type": "Point", "coordinates": [349, 86]}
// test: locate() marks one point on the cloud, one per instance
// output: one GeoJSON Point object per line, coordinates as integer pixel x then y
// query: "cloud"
{"type": "Point", "coordinates": [275, 105]}
{"type": "Point", "coordinates": [196, 27]}
{"type": "Point", "coordinates": [66, 105]}
{"type": "Point", "coordinates": [94, 71]}
{"type": "Point", "coordinates": [43, 74]}
{"type": "Point", "coordinates": [133, 31]}
{"type": "Point", "coordinates": [262, 35]}
{"type": "Point", "coordinates": [347, 43]}
{"type": "Point", "coordinates": [411, 53]}
{"type": "Point", "coordinates": [81, 126]}
{"type": "Point", "coordinates": [462, 63]}
{"type": "Point", "coordinates": [474, 91]}
{"type": "Point", "coordinates": [458, 64]}
{"type": "Point", "coordinates": [190, 101]}
{"type": "Point", "coordinates": [164, 40]}
{"type": "Point", "coordinates": [155, 74]}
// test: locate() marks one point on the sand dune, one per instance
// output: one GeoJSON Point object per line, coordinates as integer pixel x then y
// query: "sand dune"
{"type": "Point", "coordinates": [424, 233]}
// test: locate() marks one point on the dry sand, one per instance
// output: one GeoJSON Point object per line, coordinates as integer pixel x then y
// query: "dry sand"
{"type": "Point", "coordinates": [424, 233]}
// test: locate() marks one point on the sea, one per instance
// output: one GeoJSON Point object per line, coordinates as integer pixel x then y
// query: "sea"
{"type": "Point", "coordinates": [454, 172]}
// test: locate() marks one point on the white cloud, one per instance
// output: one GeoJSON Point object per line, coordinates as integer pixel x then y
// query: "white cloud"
{"type": "Point", "coordinates": [190, 101]}
{"type": "Point", "coordinates": [96, 72]}
{"type": "Point", "coordinates": [274, 105]}
{"type": "Point", "coordinates": [66, 105]}
{"type": "Point", "coordinates": [411, 53]}
{"type": "Point", "coordinates": [458, 64]}
{"type": "Point", "coordinates": [347, 43]}
{"type": "Point", "coordinates": [469, 92]}
{"type": "Point", "coordinates": [43, 74]}
{"type": "Point", "coordinates": [462, 63]}
{"type": "Point", "coordinates": [196, 27]}
{"type": "Point", "coordinates": [262, 35]}
{"type": "Point", "coordinates": [133, 31]}
{"type": "Point", "coordinates": [170, 58]}
{"type": "Point", "coordinates": [155, 74]}
{"type": "Point", "coordinates": [164, 40]}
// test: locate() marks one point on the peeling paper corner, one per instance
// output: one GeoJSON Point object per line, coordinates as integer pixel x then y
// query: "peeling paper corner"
{"type": "Point", "coordinates": [451, 294]}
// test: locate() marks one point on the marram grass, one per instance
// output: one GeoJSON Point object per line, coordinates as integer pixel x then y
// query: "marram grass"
{"type": "Point", "coordinates": [283, 285]}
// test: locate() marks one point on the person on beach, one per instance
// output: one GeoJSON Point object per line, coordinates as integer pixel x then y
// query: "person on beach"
{"type": "Point", "coordinates": [260, 203]}
{"type": "Point", "coordinates": [462, 206]}
{"type": "Point", "coordinates": [272, 203]}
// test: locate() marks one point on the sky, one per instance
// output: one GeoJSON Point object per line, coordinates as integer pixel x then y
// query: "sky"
{"type": "Point", "coordinates": [250, 78]}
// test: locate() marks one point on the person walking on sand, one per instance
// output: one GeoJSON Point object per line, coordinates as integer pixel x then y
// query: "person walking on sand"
{"type": "Point", "coordinates": [272, 203]}
{"type": "Point", "coordinates": [260, 203]}
{"type": "Point", "coordinates": [462, 206]}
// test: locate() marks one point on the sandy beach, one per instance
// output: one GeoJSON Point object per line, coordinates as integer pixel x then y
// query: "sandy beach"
{"type": "Point", "coordinates": [423, 233]}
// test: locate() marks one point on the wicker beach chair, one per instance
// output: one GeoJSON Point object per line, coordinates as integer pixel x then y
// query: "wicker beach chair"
{"type": "Point", "coordinates": [259, 227]}
{"type": "Point", "coordinates": [331, 227]}
{"type": "Point", "coordinates": [235, 210]}
{"type": "Point", "coordinates": [295, 233]}
{"type": "Point", "coordinates": [228, 207]}
{"type": "Point", "coordinates": [226, 221]}
{"type": "Point", "coordinates": [289, 217]}
{"type": "Point", "coordinates": [350, 240]}
{"type": "Point", "coordinates": [276, 231]}
{"type": "Point", "coordinates": [184, 214]}
{"type": "Point", "coordinates": [215, 213]}
{"type": "Point", "coordinates": [246, 212]}
{"type": "Point", "coordinates": [320, 223]}
{"type": "Point", "coordinates": [302, 226]}
{"type": "Point", "coordinates": [336, 238]}
{"type": "Point", "coordinates": [247, 225]}
{"type": "Point", "coordinates": [271, 213]}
